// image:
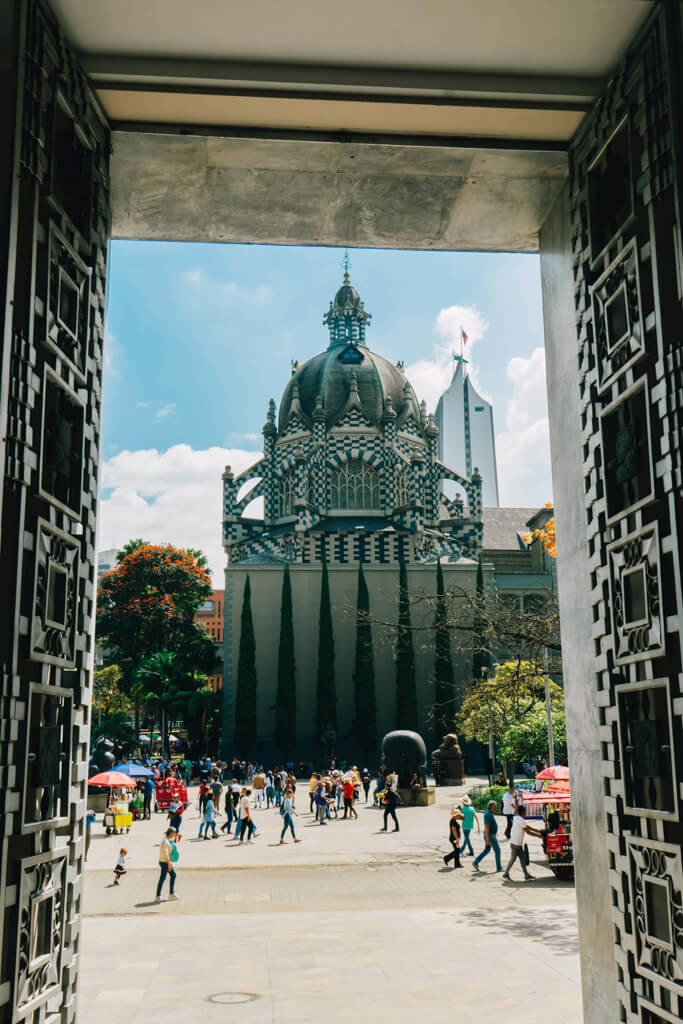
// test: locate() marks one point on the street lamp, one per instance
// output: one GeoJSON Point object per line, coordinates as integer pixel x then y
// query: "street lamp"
{"type": "Point", "coordinates": [548, 709]}
{"type": "Point", "coordinates": [492, 752]}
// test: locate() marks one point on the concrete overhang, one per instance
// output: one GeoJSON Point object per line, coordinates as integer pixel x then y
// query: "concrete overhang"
{"type": "Point", "coordinates": [431, 125]}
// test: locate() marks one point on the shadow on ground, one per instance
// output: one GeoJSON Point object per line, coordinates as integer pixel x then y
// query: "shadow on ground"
{"type": "Point", "coordinates": [528, 923]}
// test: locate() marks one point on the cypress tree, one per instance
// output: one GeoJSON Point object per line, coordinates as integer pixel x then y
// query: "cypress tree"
{"type": "Point", "coordinates": [406, 695]}
{"type": "Point", "coordinates": [326, 690]}
{"type": "Point", "coordinates": [285, 701]}
{"type": "Point", "coordinates": [365, 724]}
{"type": "Point", "coordinates": [245, 698]}
{"type": "Point", "coordinates": [481, 658]}
{"type": "Point", "coordinates": [444, 692]}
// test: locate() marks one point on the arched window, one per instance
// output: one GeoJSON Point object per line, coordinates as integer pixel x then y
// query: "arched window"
{"type": "Point", "coordinates": [402, 488]}
{"type": "Point", "coordinates": [354, 486]}
{"type": "Point", "coordinates": [285, 494]}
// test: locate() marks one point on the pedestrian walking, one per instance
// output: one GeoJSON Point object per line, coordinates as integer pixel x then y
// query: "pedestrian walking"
{"type": "Point", "coordinates": [277, 787]}
{"type": "Point", "coordinates": [287, 811]}
{"type": "Point", "coordinates": [168, 856]}
{"type": "Point", "coordinates": [390, 804]}
{"type": "Point", "coordinates": [348, 799]}
{"type": "Point", "coordinates": [320, 804]}
{"type": "Point", "coordinates": [147, 794]}
{"type": "Point", "coordinates": [175, 818]}
{"type": "Point", "coordinates": [270, 790]}
{"type": "Point", "coordinates": [208, 820]}
{"type": "Point", "coordinates": [454, 838]}
{"type": "Point", "coordinates": [469, 818]}
{"type": "Point", "coordinates": [366, 780]}
{"type": "Point", "coordinates": [509, 808]}
{"type": "Point", "coordinates": [258, 786]}
{"type": "Point", "coordinates": [120, 866]}
{"type": "Point", "coordinates": [490, 831]}
{"type": "Point", "coordinates": [90, 820]}
{"type": "Point", "coordinates": [246, 825]}
{"type": "Point", "coordinates": [229, 809]}
{"type": "Point", "coordinates": [520, 828]}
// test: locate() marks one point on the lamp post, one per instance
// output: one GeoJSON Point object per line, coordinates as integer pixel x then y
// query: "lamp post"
{"type": "Point", "coordinates": [548, 709]}
{"type": "Point", "coordinates": [492, 752]}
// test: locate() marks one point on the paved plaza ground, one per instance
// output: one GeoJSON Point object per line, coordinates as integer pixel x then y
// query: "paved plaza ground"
{"type": "Point", "coordinates": [349, 925]}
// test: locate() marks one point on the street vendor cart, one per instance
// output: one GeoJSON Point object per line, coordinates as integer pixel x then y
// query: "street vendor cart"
{"type": "Point", "coordinates": [117, 816]}
{"type": "Point", "coordinates": [169, 791]}
{"type": "Point", "coordinates": [555, 807]}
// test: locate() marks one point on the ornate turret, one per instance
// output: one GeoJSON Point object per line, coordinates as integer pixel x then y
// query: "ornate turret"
{"type": "Point", "coordinates": [347, 318]}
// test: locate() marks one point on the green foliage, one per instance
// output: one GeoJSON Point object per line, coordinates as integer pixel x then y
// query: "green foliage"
{"type": "Point", "coordinates": [166, 682]}
{"type": "Point", "coordinates": [107, 696]}
{"type": "Point", "coordinates": [503, 701]}
{"type": "Point", "coordinates": [245, 698]}
{"type": "Point", "coordinates": [285, 701]}
{"type": "Point", "coordinates": [528, 738]}
{"type": "Point", "coordinates": [444, 685]}
{"type": "Point", "coordinates": [326, 689]}
{"type": "Point", "coordinates": [202, 718]}
{"type": "Point", "coordinates": [480, 797]}
{"type": "Point", "coordinates": [365, 721]}
{"type": "Point", "coordinates": [117, 727]}
{"type": "Point", "coordinates": [406, 694]}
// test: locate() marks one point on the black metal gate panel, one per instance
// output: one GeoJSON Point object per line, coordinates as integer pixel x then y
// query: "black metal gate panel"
{"type": "Point", "coordinates": [52, 358]}
{"type": "Point", "coordinates": [626, 240]}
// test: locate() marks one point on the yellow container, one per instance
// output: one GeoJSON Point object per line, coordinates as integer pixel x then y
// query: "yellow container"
{"type": "Point", "coordinates": [123, 820]}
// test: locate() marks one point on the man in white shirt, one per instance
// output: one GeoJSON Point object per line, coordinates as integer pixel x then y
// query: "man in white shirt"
{"type": "Point", "coordinates": [245, 816]}
{"type": "Point", "coordinates": [519, 830]}
{"type": "Point", "coordinates": [509, 808]}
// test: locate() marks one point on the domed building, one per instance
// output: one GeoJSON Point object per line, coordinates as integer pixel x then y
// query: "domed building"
{"type": "Point", "coordinates": [350, 477]}
{"type": "Point", "coordinates": [350, 468]}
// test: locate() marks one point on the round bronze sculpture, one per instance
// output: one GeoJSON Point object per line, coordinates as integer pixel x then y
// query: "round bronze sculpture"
{"type": "Point", "coordinates": [404, 752]}
{"type": "Point", "coordinates": [449, 767]}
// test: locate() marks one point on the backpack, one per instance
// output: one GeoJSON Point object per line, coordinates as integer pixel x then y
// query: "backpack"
{"type": "Point", "coordinates": [174, 851]}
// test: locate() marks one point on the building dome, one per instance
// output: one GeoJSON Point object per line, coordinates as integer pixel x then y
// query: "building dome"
{"type": "Point", "coordinates": [331, 375]}
{"type": "Point", "coordinates": [347, 363]}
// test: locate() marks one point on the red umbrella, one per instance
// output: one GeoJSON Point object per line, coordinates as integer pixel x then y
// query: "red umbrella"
{"type": "Point", "coordinates": [546, 797]}
{"type": "Point", "coordinates": [111, 779]}
{"type": "Point", "coordinates": [555, 772]}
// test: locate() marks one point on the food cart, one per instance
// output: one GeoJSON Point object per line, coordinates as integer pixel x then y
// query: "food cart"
{"type": "Point", "coordinates": [117, 816]}
{"type": "Point", "coordinates": [555, 807]}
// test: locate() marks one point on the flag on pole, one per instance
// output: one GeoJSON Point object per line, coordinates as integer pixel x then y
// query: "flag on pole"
{"type": "Point", "coordinates": [463, 336]}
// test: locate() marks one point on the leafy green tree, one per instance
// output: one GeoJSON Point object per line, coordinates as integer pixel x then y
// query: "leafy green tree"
{"type": "Point", "coordinates": [107, 696]}
{"type": "Point", "coordinates": [285, 701]}
{"type": "Point", "coordinates": [444, 683]}
{"type": "Point", "coordinates": [245, 697]}
{"type": "Point", "coordinates": [117, 727]}
{"type": "Point", "coordinates": [504, 701]}
{"type": "Point", "coordinates": [406, 694]}
{"type": "Point", "coordinates": [158, 685]}
{"type": "Point", "coordinates": [365, 721]}
{"type": "Point", "coordinates": [528, 738]}
{"type": "Point", "coordinates": [202, 717]}
{"type": "Point", "coordinates": [326, 690]}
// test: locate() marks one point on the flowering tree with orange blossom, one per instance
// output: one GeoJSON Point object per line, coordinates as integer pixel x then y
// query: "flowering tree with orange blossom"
{"type": "Point", "coordinates": [146, 604]}
{"type": "Point", "coordinates": [546, 535]}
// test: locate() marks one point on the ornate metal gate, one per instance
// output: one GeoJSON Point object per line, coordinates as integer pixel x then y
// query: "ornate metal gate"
{"type": "Point", "coordinates": [55, 245]}
{"type": "Point", "coordinates": [625, 200]}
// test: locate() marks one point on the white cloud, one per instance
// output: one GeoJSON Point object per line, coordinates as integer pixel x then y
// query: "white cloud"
{"type": "Point", "coordinates": [169, 497]}
{"type": "Point", "coordinates": [206, 289]}
{"type": "Point", "coordinates": [165, 411]}
{"type": "Point", "coordinates": [431, 377]}
{"type": "Point", "coordinates": [234, 436]}
{"type": "Point", "coordinates": [143, 405]}
{"type": "Point", "coordinates": [523, 448]}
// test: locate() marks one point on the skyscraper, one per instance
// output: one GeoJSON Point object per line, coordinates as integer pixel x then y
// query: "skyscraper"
{"type": "Point", "coordinates": [466, 439]}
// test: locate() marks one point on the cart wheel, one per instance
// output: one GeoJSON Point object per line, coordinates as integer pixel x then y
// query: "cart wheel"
{"type": "Point", "coordinates": [564, 872]}
{"type": "Point", "coordinates": [128, 830]}
{"type": "Point", "coordinates": [108, 831]}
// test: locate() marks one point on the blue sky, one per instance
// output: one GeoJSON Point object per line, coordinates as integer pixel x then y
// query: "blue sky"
{"type": "Point", "coordinates": [201, 336]}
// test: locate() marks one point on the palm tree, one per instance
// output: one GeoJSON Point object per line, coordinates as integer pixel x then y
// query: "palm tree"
{"type": "Point", "coordinates": [156, 684]}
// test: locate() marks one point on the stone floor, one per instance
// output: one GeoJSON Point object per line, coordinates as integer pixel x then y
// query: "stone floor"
{"type": "Point", "coordinates": [349, 925]}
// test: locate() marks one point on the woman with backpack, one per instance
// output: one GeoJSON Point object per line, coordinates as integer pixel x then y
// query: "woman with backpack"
{"type": "Point", "coordinates": [168, 855]}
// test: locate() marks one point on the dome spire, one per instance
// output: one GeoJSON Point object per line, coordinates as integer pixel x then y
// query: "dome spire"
{"type": "Point", "coordinates": [347, 317]}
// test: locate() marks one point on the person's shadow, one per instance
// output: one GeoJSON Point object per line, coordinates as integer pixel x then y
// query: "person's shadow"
{"type": "Point", "coordinates": [149, 903]}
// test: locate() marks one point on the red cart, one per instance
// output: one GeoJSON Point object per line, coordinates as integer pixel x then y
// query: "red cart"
{"type": "Point", "coordinates": [167, 792]}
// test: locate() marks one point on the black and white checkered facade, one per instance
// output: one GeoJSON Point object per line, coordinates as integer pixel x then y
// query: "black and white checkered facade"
{"type": "Point", "coordinates": [351, 471]}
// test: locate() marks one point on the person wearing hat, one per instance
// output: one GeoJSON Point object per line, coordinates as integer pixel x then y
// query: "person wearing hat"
{"type": "Point", "coordinates": [454, 838]}
{"type": "Point", "coordinates": [469, 817]}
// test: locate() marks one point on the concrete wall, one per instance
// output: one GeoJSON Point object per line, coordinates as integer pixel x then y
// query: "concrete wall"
{"type": "Point", "coordinates": [382, 581]}
{"type": "Point", "coordinates": [590, 849]}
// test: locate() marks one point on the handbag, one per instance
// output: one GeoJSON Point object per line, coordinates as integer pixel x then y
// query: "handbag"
{"type": "Point", "coordinates": [526, 857]}
{"type": "Point", "coordinates": [174, 851]}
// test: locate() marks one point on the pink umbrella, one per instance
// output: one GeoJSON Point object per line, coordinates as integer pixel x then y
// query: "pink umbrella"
{"type": "Point", "coordinates": [111, 779]}
{"type": "Point", "coordinates": [555, 772]}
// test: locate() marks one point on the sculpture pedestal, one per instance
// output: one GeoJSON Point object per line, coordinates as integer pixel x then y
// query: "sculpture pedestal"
{"type": "Point", "coordinates": [452, 782]}
{"type": "Point", "coordinates": [425, 797]}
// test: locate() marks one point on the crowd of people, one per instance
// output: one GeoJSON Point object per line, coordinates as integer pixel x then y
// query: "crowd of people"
{"type": "Point", "coordinates": [228, 796]}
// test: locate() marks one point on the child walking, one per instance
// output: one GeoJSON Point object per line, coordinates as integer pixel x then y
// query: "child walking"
{"type": "Point", "coordinates": [120, 868]}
